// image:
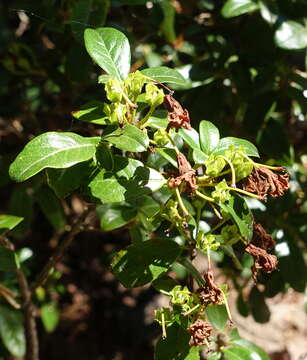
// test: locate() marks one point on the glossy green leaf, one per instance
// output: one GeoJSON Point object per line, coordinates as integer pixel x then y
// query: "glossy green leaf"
{"type": "Point", "coordinates": [199, 156]}
{"type": "Point", "coordinates": [237, 352]}
{"type": "Point", "coordinates": [104, 157]}
{"type": "Point", "coordinates": [130, 138]}
{"type": "Point", "coordinates": [52, 150]}
{"type": "Point", "coordinates": [175, 345]}
{"type": "Point", "coordinates": [164, 284]}
{"type": "Point", "coordinates": [8, 222]}
{"type": "Point", "coordinates": [144, 262]}
{"type": "Point", "coordinates": [217, 316]}
{"type": "Point", "coordinates": [249, 148]}
{"type": "Point", "coordinates": [158, 119]}
{"type": "Point", "coordinates": [129, 180]}
{"type": "Point", "coordinates": [50, 316]}
{"type": "Point", "coordinates": [238, 7]}
{"type": "Point", "coordinates": [80, 17]}
{"type": "Point", "coordinates": [92, 112]}
{"type": "Point", "coordinates": [259, 308]}
{"type": "Point", "coordinates": [237, 208]}
{"type": "Point", "coordinates": [168, 24]}
{"type": "Point", "coordinates": [65, 181]}
{"type": "Point", "coordinates": [114, 216]}
{"type": "Point", "coordinates": [291, 35]}
{"type": "Point", "coordinates": [191, 137]}
{"type": "Point", "coordinates": [209, 136]}
{"type": "Point", "coordinates": [256, 351]}
{"type": "Point", "coordinates": [12, 331]}
{"type": "Point", "coordinates": [110, 49]}
{"type": "Point", "coordinates": [164, 74]}
{"type": "Point", "coordinates": [51, 207]}
{"type": "Point", "coordinates": [169, 155]}
{"type": "Point", "coordinates": [147, 205]}
{"type": "Point", "coordinates": [8, 259]}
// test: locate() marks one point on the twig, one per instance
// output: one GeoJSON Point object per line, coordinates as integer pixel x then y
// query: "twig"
{"type": "Point", "coordinates": [28, 310]}
{"type": "Point", "coordinates": [60, 250]}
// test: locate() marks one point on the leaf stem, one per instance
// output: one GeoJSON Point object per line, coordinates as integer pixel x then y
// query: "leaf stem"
{"type": "Point", "coordinates": [233, 173]}
{"type": "Point", "coordinates": [191, 310]}
{"type": "Point", "coordinates": [201, 195]}
{"type": "Point", "coordinates": [181, 204]}
{"type": "Point", "coordinates": [245, 192]}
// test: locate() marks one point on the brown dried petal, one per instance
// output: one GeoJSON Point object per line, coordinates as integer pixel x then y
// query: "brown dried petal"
{"type": "Point", "coordinates": [177, 116]}
{"type": "Point", "coordinates": [200, 331]}
{"type": "Point", "coordinates": [263, 182]}
{"type": "Point", "coordinates": [186, 174]}
{"type": "Point", "coordinates": [261, 238]}
{"type": "Point", "coordinates": [210, 293]}
{"type": "Point", "coordinates": [262, 260]}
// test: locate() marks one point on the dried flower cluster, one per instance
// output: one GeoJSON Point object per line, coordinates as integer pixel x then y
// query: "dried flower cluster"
{"type": "Point", "coordinates": [177, 116]}
{"type": "Point", "coordinates": [210, 293]}
{"type": "Point", "coordinates": [264, 182]}
{"type": "Point", "coordinates": [200, 332]}
{"type": "Point", "coordinates": [187, 174]}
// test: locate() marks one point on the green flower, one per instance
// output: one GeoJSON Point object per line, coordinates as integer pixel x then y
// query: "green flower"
{"type": "Point", "coordinates": [221, 192]}
{"type": "Point", "coordinates": [114, 90]}
{"type": "Point", "coordinates": [164, 316]}
{"type": "Point", "coordinates": [214, 165]}
{"type": "Point", "coordinates": [153, 95]}
{"type": "Point", "coordinates": [134, 84]}
{"type": "Point", "coordinates": [160, 137]}
{"type": "Point", "coordinates": [230, 235]}
{"type": "Point", "coordinates": [208, 242]}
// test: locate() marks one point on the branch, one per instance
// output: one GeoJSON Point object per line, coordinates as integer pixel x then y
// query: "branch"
{"type": "Point", "coordinates": [30, 324]}
{"type": "Point", "coordinates": [60, 250]}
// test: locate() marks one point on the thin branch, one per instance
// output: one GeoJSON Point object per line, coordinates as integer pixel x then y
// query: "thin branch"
{"type": "Point", "coordinates": [60, 250]}
{"type": "Point", "coordinates": [30, 324]}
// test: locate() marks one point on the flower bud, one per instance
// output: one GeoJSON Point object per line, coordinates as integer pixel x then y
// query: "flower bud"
{"type": "Point", "coordinates": [113, 89]}
{"type": "Point", "coordinates": [160, 137]}
{"type": "Point", "coordinates": [154, 96]}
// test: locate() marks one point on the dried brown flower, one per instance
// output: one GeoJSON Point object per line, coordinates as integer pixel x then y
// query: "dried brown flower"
{"type": "Point", "coordinates": [186, 174]}
{"type": "Point", "coordinates": [262, 260]}
{"type": "Point", "coordinates": [263, 182]}
{"type": "Point", "coordinates": [177, 116]}
{"type": "Point", "coordinates": [200, 332]}
{"type": "Point", "coordinates": [261, 238]}
{"type": "Point", "coordinates": [210, 293]}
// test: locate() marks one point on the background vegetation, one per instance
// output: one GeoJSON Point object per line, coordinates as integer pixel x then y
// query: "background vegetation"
{"type": "Point", "coordinates": [245, 68]}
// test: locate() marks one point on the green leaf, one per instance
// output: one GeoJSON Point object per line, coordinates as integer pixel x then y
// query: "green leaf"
{"type": "Point", "coordinates": [209, 136]}
{"type": "Point", "coordinates": [237, 352]}
{"type": "Point", "coordinates": [110, 49]}
{"type": "Point", "coordinates": [259, 308]}
{"type": "Point", "coordinates": [129, 180]}
{"type": "Point", "coordinates": [191, 137]}
{"type": "Point", "coordinates": [175, 345]}
{"type": "Point", "coordinates": [144, 262]}
{"type": "Point", "coordinates": [291, 35]}
{"type": "Point", "coordinates": [249, 148]}
{"type": "Point", "coordinates": [52, 150]}
{"type": "Point", "coordinates": [164, 74]}
{"type": "Point", "coordinates": [199, 157]}
{"type": "Point", "coordinates": [237, 208]}
{"type": "Point", "coordinates": [168, 154]}
{"type": "Point", "coordinates": [256, 351]}
{"type": "Point", "coordinates": [130, 138]}
{"type": "Point", "coordinates": [92, 112]}
{"type": "Point", "coordinates": [217, 316]}
{"type": "Point", "coordinates": [8, 222]}
{"type": "Point", "coordinates": [80, 17]}
{"type": "Point", "coordinates": [238, 7]}
{"type": "Point", "coordinates": [65, 181]}
{"type": "Point", "coordinates": [164, 284]}
{"type": "Point", "coordinates": [8, 260]}
{"type": "Point", "coordinates": [158, 119]}
{"type": "Point", "coordinates": [51, 207]}
{"type": "Point", "coordinates": [104, 157]}
{"type": "Point", "coordinates": [12, 331]}
{"type": "Point", "coordinates": [50, 316]}
{"type": "Point", "coordinates": [114, 216]}
{"type": "Point", "coordinates": [168, 23]}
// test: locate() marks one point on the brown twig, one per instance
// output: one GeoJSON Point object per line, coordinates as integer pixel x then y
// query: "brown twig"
{"type": "Point", "coordinates": [30, 324]}
{"type": "Point", "coordinates": [60, 250]}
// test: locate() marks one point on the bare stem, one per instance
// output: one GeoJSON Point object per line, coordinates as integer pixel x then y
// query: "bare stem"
{"type": "Point", "coordinates": [201, 195]}
{"type": "Point", "coordinates": [30, 324]}
{"type": "Point", "coordinates": [181, 204]}
{"type": "Point", "coordinates": [245, 193]}
{"type": "Point", "coordinates": [60, 250]}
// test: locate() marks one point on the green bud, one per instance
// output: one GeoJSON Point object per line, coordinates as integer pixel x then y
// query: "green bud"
{"type": "Point", "coordinates": [153, 95]}
{"type": "Point", "coordinates": [230, 235]}
{"type": "Point", "coordinates": [160, 137]}
{"type": "Point", "coordinates": [114, 90]}
{"type": "Point", "coordinates": [221, 192]}
{"type": "Point", "coordinates": [214, 165]}
{"type": "Point", "coordinates": [180, 295]}
{"type": "Point", "coordinates": [134, 84]}
{"type": "Point", "coordinates": [208, 242]}
{"type": "Point", "coordinates": [120, 112]}
{"type": "Point", "coordinates": [108, 109]}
